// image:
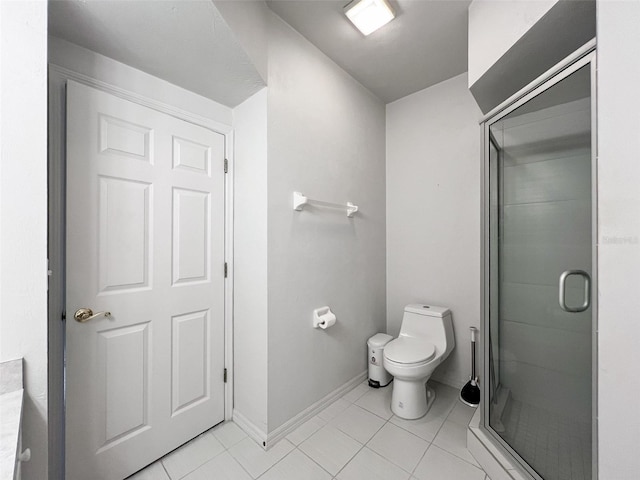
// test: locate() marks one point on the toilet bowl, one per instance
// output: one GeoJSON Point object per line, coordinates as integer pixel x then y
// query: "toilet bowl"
{"type": "Point", "coordinates": [425, 341]}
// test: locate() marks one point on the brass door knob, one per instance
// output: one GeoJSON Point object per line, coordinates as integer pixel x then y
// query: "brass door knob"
{"type": "Point", "coordinates": [85, 314]}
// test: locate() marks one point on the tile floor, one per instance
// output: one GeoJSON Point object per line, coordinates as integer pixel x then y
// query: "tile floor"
{"type": "Point", "coordinates": [556, 446]}
{"type": "Point", "coordinates": [356, 437]}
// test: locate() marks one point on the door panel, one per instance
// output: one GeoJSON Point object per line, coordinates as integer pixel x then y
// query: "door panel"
{"type": "Point", "coordinates": [123, 234]}
{"type": "Point", "coordinates": [145, 242]}
{"type": "Point", "coordinates": [191, 156]}
{"type": "Point", "coordinates": [119, 137]}
{"type": "Point", "coordinates": [190, 360]}
{"type": "Point", "coordinates": [541, 225]}
{"type": "Point", "coordinates": [123, 373]}
{"type": "Point", "coordinates": [191, 236]}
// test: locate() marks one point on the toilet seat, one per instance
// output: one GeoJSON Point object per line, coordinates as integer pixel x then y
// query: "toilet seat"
{"type": "Point", "coordinates": [409, 351]}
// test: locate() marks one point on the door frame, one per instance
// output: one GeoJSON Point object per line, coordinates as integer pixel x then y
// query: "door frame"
{"type": "Point", "coordinates": [57, 81]}
{"type": "Point", "coordinates": [584, 56]}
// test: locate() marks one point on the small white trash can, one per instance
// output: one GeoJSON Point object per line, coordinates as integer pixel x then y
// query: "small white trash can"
{"type": "Point", "coordinates": [378, 376]}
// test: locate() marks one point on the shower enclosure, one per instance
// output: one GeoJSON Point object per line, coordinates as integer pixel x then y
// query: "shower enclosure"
{"type": "Point", "coordinates": [539, 311]}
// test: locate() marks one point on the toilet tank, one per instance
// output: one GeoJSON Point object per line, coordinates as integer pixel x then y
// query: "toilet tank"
{"type": "Point", "coordinates": [431, 323]}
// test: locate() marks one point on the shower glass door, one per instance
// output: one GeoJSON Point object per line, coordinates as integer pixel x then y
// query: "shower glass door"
{"type": "Point", "coordinates": [539, 231]}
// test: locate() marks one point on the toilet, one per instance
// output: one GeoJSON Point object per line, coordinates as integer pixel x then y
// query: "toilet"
{"type": "Point", "coordinates": [425, 341]}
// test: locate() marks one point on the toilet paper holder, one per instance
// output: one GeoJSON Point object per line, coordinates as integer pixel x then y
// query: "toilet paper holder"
{"type": "Point", "coordinates": [323, 318]}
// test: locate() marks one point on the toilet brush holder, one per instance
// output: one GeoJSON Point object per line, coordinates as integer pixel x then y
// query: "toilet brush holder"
{"type": "Point", "coordinates": [470, 393]}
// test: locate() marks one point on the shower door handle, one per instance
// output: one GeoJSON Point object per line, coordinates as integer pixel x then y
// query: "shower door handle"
{"type": "Point", "coordinates": [587, 291]}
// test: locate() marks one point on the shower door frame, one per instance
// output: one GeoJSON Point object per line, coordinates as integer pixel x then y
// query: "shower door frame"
{"type": "Point", "coordinates": [586, 55]}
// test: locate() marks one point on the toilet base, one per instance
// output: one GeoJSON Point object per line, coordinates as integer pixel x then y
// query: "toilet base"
{"type": "Point", "coordinates": [410, 399]}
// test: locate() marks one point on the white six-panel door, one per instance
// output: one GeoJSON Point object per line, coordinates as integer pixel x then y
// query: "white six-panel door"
{"type": "Point", "coordinates": [145, 242]}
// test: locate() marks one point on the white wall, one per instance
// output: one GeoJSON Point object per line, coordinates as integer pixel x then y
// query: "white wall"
{"type": "Point", "coordinates": [327, 140]}
{"type": "Point", "coordinates": [93, 65]}
{"type": "Point", "coordinates": [433, 211]}
{"type": "Point", "coordinates": [250, 260]}
{"type": "Point", "coordinates": [619, 238]}
{"type": "Point", "coordinates": [495, 25]}
{"type": "Point", "coordinates": [248, 21]}
{"type": "Point", "coordinates": [23, 213]}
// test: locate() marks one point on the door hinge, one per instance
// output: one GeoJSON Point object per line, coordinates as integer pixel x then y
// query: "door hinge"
{"type": "Point", "coordinates": [225, 269]}
{"type": "Point", "coordinates": [226, 165]}
{"type": "Point", "coordinates": [225, 375]}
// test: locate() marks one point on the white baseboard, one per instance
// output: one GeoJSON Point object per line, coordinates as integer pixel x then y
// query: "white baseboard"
{"type": "Point", "coordinates": [250, 428]}
{"type": "Point", "coordinates": [450, 379]}
{"type": "Point", "coordinates": [288, 427]}
{"type": "Point", "coordinates": [270, 439]}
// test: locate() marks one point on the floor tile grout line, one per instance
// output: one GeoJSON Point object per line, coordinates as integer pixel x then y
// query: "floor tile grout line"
{"type": "Point", "coordinates": [234, 444]}
{"type": "Point", "coordinates": [327, 423]}
{"type": "Point", "coordinates": [434, 437]}
{"type": "Point", "coordinates": [359, 397]}
{"type": "Point", "coordinates": [349, 461]}
{"type": "Point", "coordinates": [164, 468]}
{"type": "Point", "coordinates": [310, 458]}
{"type": "Point", "coordinates": [430, 443]}
{"type": "Point", "coordinates": [208, 460]}
{"type": "Point", "coordinates": [227, 450]}
{"type": "Point", "coordinates": [272, 466]}
{"type": "Point", "coordinates": [241, 465]}
{"type": "Point", "coordinates": [369, 411]}
{"type": "Point", "coordinates": [350, 436]}
{"type": "Point", "coordinates": [411, 433]}
{"type": "Point", "coordinates": [444, 449]}
{"type": "Point", "coordinates": [372, 413]}
{"type": "Point", "coordinates": [364, 444]}
{"type": "Point", "coordinates": [185, 445]}
{"type": "Point", "coordinates": [413, 473]}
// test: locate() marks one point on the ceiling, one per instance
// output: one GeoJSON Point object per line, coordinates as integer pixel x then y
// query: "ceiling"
{"type": "Point", "coordinates": [184, 42]}
{"type": "Point", "coordinates": [188, 43]}
{"type": "Point", "coordinates": [425, 44]}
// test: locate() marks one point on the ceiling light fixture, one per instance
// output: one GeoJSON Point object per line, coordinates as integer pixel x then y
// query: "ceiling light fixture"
{"type": "Point", "coordinates": [369, 15]}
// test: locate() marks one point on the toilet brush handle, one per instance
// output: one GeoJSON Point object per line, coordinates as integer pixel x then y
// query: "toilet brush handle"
{"type": "Point", "coordinates": [473, 361]}
{"type": "Point", "coordinates": [473, 354]}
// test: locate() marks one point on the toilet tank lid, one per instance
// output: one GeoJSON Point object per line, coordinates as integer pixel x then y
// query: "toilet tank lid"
{"type": "Point", "coordinates": [428, 310]}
